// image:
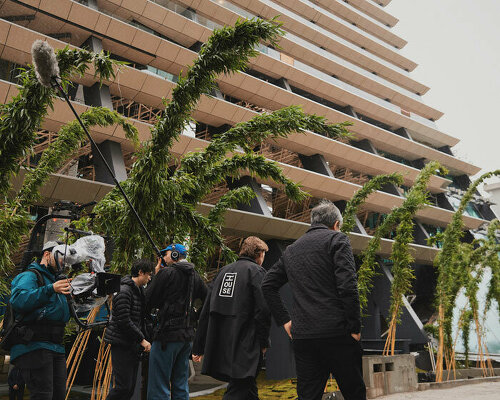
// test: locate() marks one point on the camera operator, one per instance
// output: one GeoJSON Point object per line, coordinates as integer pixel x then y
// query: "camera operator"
{"type": "Point", "coordinates": [38, 349]}
{"type": "Point", "coordinates": [125, 332]}
{"type": "Point", "coordinates": [172, 292]}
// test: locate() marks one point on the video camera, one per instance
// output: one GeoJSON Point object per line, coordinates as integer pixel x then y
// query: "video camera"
{"type": "Point", "coordinates": [89, 289]}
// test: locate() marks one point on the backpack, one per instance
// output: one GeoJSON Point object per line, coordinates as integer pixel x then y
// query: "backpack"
{"type": "Point", "coordinates": [9, 322]}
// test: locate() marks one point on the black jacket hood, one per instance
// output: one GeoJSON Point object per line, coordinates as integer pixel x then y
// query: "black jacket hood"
{"type": "Point", "coordinates": [183, 266]}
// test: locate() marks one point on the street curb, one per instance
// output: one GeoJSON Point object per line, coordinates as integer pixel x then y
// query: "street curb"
{"type": "Point", "coordinates": [456, 383]}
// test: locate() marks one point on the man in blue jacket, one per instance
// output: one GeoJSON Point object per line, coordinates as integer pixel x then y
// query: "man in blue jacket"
{"type": "Point", "coordinates": [38, 350]}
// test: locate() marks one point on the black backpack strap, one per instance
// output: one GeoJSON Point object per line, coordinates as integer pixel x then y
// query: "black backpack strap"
{"type": "Point", "coordinates": [39, 278]}
{"type": "Point", "coordinates": [40, 282]}
{"type": "Point", "coordinates": [189, 299]}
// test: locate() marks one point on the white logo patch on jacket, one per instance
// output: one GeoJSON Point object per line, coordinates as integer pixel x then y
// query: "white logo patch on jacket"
{"type": "Point", "coordinates": [227, 285]}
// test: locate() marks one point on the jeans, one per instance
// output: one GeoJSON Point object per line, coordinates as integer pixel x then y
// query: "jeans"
{"type": "Point", "coordinates": [44, 372]}
{"type": "Point", "coordinates": [316, 358]}
{"type": "Point", "coordinates": [125, 362]}
{"type": "Point", "coordinates": [169, 371]}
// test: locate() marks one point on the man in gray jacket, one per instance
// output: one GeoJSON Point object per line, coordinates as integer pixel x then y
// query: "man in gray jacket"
{"type": "Point", "coordinates": [324, 322]}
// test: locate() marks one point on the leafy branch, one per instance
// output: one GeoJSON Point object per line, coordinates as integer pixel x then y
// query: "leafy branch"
{"type": "Point", "coordinates": [374, 184]}
{"type": "Point", "coordinates": [21, 118]}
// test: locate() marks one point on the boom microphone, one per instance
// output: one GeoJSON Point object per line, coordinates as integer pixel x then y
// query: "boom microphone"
{"type": "Point", "coordinates": [47, 73]}
{"type": "Point", "coordinates": [45, 62]}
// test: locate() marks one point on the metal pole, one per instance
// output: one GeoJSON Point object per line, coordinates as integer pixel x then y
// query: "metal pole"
{"type": "Point", "coordinates": [58, 86]}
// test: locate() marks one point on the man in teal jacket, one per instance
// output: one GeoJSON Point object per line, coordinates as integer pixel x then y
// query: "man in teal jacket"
{"type": "Point", "coordinates": [39, 351]}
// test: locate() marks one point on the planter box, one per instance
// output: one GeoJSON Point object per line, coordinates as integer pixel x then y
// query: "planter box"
{"type": "Point", "coordinates": [389, 374]}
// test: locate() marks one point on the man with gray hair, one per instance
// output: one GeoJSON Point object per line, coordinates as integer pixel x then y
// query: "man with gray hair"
{"type": "Point", "coordinates": [324, 322]}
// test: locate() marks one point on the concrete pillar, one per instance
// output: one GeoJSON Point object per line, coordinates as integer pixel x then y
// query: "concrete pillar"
{"type": "Point", "coordinates": [282, 82]}
{"type": "Point", "coordinates": [316, 163]}
{"type": "Point", "coordinates": [280, 362]}
{"type": "Point", "coordinates": [445, 149]}
{"type": "Point", "coordinates": [419, 163]}
{"type": "Point", "coordinates": [93, 44]}
{"type": "Point", "coordinates": [463, 181]}
{"type": "Point", "coordinates": [411, 327]}
{"type": "Point", "coordinates": [420, 234]}
{"type": "Point", "coordinates": [443, 202]}
{"type": "Point", "coordinates": [365, 145]}
{"type": "Point", "coordinates": [257, 205]}
{"type": "Point", "coordinates": [99, 96]}
{"type": "Point", "coordinates": [350, 111]}
{"type": "Point", "coordinates": [112, 152]}
{"type": "Point", "coordinates": [196, 46]}
{"type": "Point", "coordinates": [92, 4]}
{"type": "Point", "coordinates": [217, 94]}
{"type": "Point", "coordinates": [486, 211]}
{"type": "Point", "coordinates": [403, 132]}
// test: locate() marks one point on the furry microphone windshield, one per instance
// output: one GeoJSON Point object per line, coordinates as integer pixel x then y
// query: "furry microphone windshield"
{"type": "Point", "coordinates": [45, 62]}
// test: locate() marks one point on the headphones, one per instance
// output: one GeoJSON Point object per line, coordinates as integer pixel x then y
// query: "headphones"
{"type": "Point", "coordinates": [174, 255]}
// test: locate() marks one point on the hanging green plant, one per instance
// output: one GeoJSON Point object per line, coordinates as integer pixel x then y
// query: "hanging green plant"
{"type": "Point", "coordinates": [21, 118]}
{"type": "Point", "coordinates": [447, 268]}
{"type": "Point", "coordinates": [402, 271]}
{"type": "Point", "coordinates": [374, 184]}
{"type": "Point", "coordinates": [169, 212]}
{"type": "Point", "coordinates": [414, 200]}
{"type": "Point", "coordinates": [492, 260]}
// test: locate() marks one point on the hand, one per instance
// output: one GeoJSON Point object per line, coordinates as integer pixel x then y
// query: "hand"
{"type": "Point", "coordinates": [158, 266]}
{"type": "Point", "coordinates": [356, 336]}
{"type": "Point", "coordinates": [15, 387]}
{"type": "Point", "coordinates": [197, 358]}
{"type": "Point", "coordinates": [264, 350]}
{"type": "Point", "coordinates": [62, 286]}
{"type": "Point", "coordinates": [288, 328]}
{"type": "Point", "coordinates": [146, 345]}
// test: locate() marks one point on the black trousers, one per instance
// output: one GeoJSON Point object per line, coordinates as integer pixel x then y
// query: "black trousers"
{"type": "Point", "coordinates": [245, 388]}
{"type": "Point", "coordinates": [315, 359]}
{"type": "Point", "coordinates": [241, 389]}
{"type": "Point", "coordinates": [16, 394]}
{"type": "Point", "coordinates": [44, 372]}
{"type": "Point", "coordinates": [125, 362]}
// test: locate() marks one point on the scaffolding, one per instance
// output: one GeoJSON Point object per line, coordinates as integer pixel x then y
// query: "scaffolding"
{"type": "Point", "coordinates": [283, 207]}
{"type": "Point", "coordinates": [134, 110]}
{"type": "Point", "coordinates": [279, 154]}
{"type": "Point", "coordinates": [349, 175]}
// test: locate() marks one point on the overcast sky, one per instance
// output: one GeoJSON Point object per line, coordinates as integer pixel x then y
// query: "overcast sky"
{"type": "Point", "coordinates": [457, 46]}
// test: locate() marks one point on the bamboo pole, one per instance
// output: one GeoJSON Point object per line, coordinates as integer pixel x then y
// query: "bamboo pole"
{"type": "Point", "coordinates": [479, 335]}
{"type": "Point", "coordinates": [77, 351]}
{"type": "Point", "coordinates": [439, 364]}
{"type": "Point", "coordinates": [453, 350]}
{"type": "Point", "coordinates": [103, 370]}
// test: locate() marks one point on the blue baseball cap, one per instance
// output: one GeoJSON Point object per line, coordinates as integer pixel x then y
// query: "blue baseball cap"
{"type": "Point", "coordinates": [177, 247]}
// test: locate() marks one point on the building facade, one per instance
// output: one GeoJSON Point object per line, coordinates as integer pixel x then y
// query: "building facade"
{"type": "Point", "coordinates": [338, 58]}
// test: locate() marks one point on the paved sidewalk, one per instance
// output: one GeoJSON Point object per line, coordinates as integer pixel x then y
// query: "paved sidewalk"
{"type": "Point", "coordinates": [480, 391]}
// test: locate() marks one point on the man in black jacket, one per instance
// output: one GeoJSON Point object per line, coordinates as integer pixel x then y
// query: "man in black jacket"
{"type": "Point", "coordinates": [125, 330]}
{"type": "Point", "coordinates": [233, 333]}
{"type": "Point", "coordinates": [172, 292]}
{"type": "Point", "coordinates": [325, 322]}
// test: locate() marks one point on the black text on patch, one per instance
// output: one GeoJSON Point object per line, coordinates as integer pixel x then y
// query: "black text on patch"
{"type": "Point", "coordinates": [227, 286]}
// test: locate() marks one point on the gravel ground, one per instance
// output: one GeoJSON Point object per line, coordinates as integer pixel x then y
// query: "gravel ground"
{"type": "Point", "coordinates": [480, 391]}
